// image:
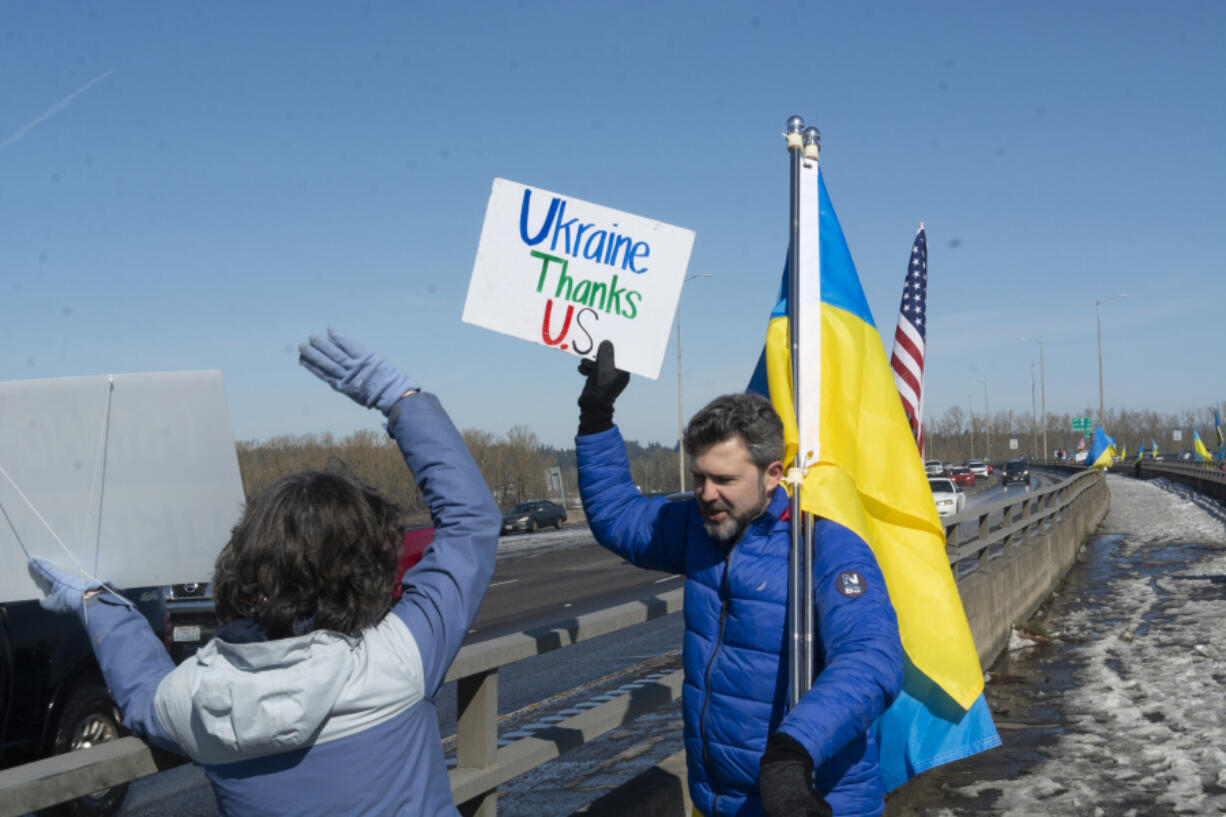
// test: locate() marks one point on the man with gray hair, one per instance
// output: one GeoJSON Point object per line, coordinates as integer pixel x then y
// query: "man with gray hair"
{"type": "Point", "coordinates": [747, 754]}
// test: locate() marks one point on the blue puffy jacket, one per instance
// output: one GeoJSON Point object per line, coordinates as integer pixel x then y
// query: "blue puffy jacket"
{"type": "Point", "coordinates": [735, 649]}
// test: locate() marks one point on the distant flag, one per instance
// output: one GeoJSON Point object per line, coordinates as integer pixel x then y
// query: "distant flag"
{"type": "Point", "coordinates": [1202, 453]}
{"type": "Point", "coordinates": [1221, 442]}
{"type": "Point", "coordinates": [1153, 448]}
{"type": "Point", "coordinates": [1141, 451]}
{"type": "Point", "coordinates": [1081, 444]}
{"type": "Point", "coordinates": [1102, 449]}
{"type": "Point", "coordinates": [1124, 451]}
{"type": "Point", "coordinates": [941, 714]}
{"type": "Point", "coordinates": [907, 361]}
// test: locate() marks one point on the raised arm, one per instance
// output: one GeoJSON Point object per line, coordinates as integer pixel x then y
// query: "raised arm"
{"type": "Point", "coordinates": [646, 532]}
{"type": "Point", "coordinates": [443, 591]}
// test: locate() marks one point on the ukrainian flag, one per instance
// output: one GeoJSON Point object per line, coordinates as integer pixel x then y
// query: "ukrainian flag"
{"type": "Point", "coordinates": [1141, 451]}
{"type": "Point", "coordinates": [1102, 449]}
{"type": "Point", "coordinates": [1124, 451]}
{"type": "Point", "coordinates": [1221, 441]}
{"type": "Point", "coordinates": [1202, 453]}
{"type": "Point", "coordinates": [1153, 448]}
{"type": "Point", "coordinates": [864, 471]}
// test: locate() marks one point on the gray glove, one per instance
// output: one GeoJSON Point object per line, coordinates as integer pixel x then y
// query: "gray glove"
{"type": "Point", "coordinates": [65, 592]}
{"type": "Point", "coordinates": [364, 376]}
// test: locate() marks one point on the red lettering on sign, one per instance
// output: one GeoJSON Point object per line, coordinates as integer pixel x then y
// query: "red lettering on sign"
{"type": "Point", "coordinates": [561, 336]}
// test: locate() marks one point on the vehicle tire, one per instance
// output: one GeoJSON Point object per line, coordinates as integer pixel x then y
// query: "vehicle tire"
{"type": "Point", "coordinates": [557, 523]}
{"type": "Point", "coordinates": [89, 717]}
{"type": "Point", "coordinates": [532, 526]}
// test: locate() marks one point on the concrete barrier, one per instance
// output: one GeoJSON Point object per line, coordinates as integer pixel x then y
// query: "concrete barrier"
{"type": "Point", "coordinates": [1017, 582]}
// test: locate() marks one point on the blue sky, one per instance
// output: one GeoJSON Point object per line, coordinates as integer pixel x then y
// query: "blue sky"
{"type": "Point", "coordinates": [196, 186]}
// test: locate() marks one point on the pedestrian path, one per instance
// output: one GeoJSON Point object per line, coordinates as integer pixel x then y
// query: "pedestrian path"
{"type": "Point", "coordinates": [1119, 706]}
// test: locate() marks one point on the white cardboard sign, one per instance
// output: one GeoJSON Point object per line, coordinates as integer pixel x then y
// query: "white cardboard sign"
{"type": "Point", "coordinates": [568, 274]}
{"type": "Point", "coordinates": [136, 474]}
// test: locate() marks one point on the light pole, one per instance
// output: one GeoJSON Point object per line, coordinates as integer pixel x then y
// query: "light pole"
{"type": "Point", "coordinates": [680, 410]}
{"type": "Point", "coordinates": [1042, 390]}
{"type": "Point", "coordinates": [987, 418]}
{"type": "Point", "coordinates": [1099, 307]}
{"type": "Point", "coordinates": [971, 423]}
{"type": "Point", "coordinates": [1034, 414]}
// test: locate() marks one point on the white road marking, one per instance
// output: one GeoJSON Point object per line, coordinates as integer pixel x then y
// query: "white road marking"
{"type": "Point", "coordinates": [508, 581]}
{"type": "Point", "coordinates": [666, 579]}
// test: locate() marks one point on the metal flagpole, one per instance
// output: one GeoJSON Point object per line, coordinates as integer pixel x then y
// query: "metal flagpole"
{"type": "Point", "coordinates": [797, 625]}
{"type": "Point", "coordinates": [804, 267]}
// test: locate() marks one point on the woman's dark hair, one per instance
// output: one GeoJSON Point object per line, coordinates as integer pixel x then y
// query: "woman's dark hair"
{"type": "Point", "coordinates": [315, 544]}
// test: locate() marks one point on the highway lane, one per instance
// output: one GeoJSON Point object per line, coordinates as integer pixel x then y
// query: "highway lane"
{"type": "Point", "coordinates": [541, 578]}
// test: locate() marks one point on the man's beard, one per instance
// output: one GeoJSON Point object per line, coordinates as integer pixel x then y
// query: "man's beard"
{"type": "Point", "coordinates": [730, 528]}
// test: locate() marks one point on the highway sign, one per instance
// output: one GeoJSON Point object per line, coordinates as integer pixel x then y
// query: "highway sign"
{"type": "Point", "coordinates": [1081, 424]}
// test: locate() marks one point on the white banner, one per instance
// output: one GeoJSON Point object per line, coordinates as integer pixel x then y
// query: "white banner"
{"type": "Point", "coordinates": [568, 274]}
{"type": "Point", "coordinates": [130, 478]}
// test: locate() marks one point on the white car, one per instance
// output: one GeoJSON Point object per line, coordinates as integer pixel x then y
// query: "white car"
{"type": "Point", "coordinates": [934, 468]}
{"type": "Point", "coordinates": [978, 467]}
{"type": "Point", "coordinates": [948, 496]}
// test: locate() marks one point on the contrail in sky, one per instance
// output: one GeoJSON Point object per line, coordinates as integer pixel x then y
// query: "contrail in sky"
{"type": "Point", "coordinates": [53, 110]}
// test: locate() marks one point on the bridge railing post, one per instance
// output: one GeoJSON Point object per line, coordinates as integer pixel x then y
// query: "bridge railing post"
{"type": "Point", "coordinates": [477, 735]}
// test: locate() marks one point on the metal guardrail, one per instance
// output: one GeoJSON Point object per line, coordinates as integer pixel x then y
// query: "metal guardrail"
{"type": "Point", "coordinates": [1022, 518]}
{"type": "Point", "coordinates": [1200, 470]}
{"type": "Point", "coordinates": [481, 766]}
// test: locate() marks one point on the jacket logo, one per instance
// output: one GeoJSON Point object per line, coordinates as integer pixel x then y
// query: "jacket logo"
{"type": "Point", "coordinates": [850, 584]}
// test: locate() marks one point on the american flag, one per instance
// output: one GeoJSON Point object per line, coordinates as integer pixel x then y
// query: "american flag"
{"type": "Point", "coordinates": [908, 357]}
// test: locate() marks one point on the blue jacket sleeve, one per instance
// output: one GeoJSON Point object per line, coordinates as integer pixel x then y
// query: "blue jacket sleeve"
{"type": "Point", "coordinates": [646, 532]}
{"type": "Point", "coordinates": [133, 662]}
{"type": "Point", "coordinates": [443, 591]}
{"type": "Point", "coordinates": [859, 641]}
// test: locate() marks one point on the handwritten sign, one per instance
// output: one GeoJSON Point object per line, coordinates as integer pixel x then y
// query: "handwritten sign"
{"type": "Point", "coordinates": [568, 274]}
{"type": "Point", "coordinates": [135, 474]}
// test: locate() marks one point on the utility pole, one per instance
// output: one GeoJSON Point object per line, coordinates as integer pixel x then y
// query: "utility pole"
{"type": "Point", "coordinates": [1098, 305]}
{"type": "Point", "coordinates": [1042, 389]}
{"type": "Point", "coordinates": [680, 409]}
{"type": "Point", "coordinates": [971, 424]}
{"type": "Point", "coordinates": [1033, 411]}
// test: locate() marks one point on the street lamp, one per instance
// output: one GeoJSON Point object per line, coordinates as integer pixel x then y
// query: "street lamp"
{"type": "Point", "coordinates": [1099, 307]}
{"type": "Point", "coordinates": [680, 410]}
{"type": "Point", "coordinates": [987, 418]}
{"type": "Point", "coordinates": [1043, 390]}
{"type": "Point", "coordinates": [970, 411]}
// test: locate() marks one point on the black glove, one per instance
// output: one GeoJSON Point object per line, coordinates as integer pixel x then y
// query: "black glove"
{"type": "Point", "coordinates": [604, 382]}
{"type": "Point", "coordinates": [786, 781]}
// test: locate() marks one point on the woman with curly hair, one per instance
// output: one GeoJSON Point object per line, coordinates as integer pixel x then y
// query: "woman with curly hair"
{"type": "Point", "coordinates": [316, 697]}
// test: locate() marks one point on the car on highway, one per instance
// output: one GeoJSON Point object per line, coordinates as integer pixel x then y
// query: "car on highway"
{"type": "Point", "coordinates": [1015, 470]}
{"type": "Point", "coordinates": [948, 496]}
{"type": "Point", "coordinates": [533, 515]}
{"type": "Point", "coordinates": [978, 467]}
{"type": "Point", "coordinates": [934, 468]}
{"type": "Point", "coordinates": [962, 475]}
{"type": "Point", "coordinates": [52, 695]}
